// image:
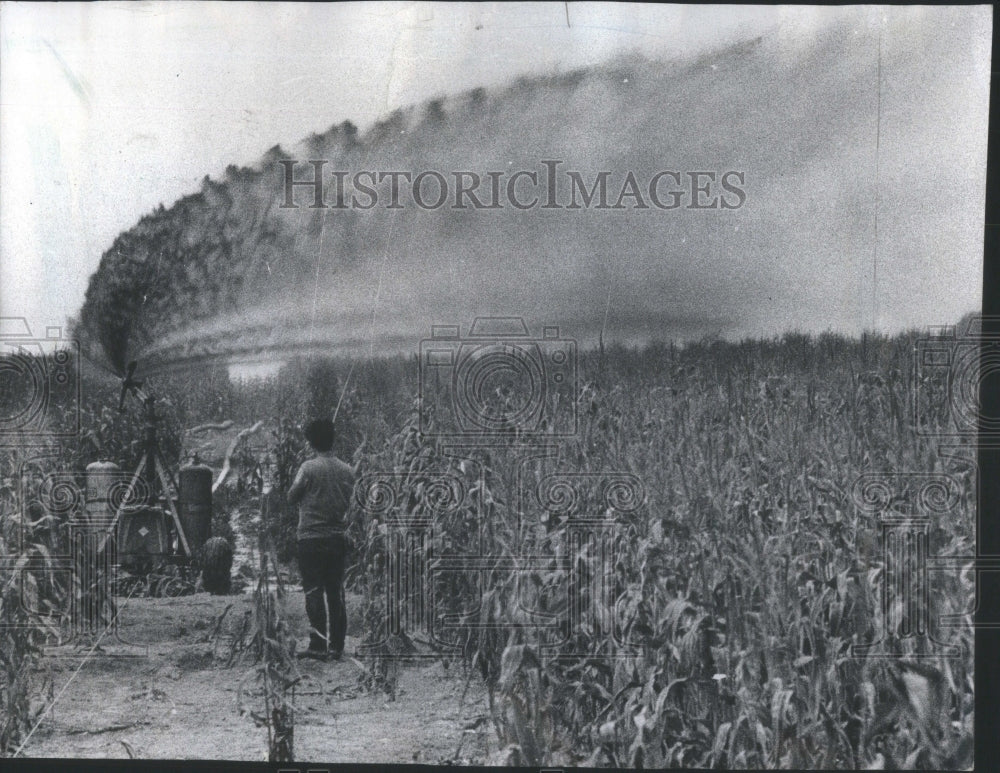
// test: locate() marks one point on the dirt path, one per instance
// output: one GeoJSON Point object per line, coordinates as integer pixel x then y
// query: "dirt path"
{"type": "Point", "coordinates": [167, 696]}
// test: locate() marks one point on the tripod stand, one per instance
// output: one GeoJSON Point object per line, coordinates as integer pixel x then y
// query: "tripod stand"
{"type": "Point", "coordinates": [151, 466]}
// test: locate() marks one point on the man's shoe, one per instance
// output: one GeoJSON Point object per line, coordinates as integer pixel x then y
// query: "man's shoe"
{"type": "Point", "coordinates": [336, 654]}
{"type": "Point", "coordinates": [313, 654]}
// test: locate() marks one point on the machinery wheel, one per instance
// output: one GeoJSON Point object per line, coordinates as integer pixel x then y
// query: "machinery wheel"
{"type": "Point", "coordinates": [174, 587]}
{"type": "Point", "coordinates": [216, 565]}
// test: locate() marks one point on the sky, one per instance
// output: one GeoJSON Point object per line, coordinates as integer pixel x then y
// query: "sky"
{"type": "Point", "coordinates": [108, 110]}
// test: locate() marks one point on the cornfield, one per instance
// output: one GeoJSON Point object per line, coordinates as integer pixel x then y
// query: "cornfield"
{"type": "Point", "coordinates": [726, 601]}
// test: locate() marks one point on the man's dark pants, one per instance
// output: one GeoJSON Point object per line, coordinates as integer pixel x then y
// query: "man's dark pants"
{"type": "Point", "coordinates": [322, 563]}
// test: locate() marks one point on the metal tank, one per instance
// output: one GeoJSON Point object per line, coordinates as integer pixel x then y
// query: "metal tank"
{"type": "Point", "coordinates": [102, 477]}
{"type": "Point", "coordinates": [195, 504]}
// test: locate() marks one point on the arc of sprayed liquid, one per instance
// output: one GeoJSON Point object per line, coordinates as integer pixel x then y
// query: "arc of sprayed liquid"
{"type": "Point", "coordinates": [607, 308]}
{"type": "Point", "coordinates": [378, 293]}
{"type": "Point", "coordinates": [375, 300]}
{"type": "Point", "coordinates": [343, 391]}
{"type": "Point", "coordinates": [312, 321]}
{"type": "Point", "coordinates": [319, 257]}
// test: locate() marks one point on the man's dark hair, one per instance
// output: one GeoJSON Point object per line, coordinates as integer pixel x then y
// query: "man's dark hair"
{"type": "Point", "coordinates": [319, 433]}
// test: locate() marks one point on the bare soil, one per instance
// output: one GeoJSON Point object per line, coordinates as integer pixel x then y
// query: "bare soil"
{"type": "Point", "coordinates": [161, 689]}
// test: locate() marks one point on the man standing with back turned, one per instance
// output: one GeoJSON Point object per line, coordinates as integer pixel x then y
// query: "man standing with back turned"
{"type": "Point", "coordinates": [322, 490]}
